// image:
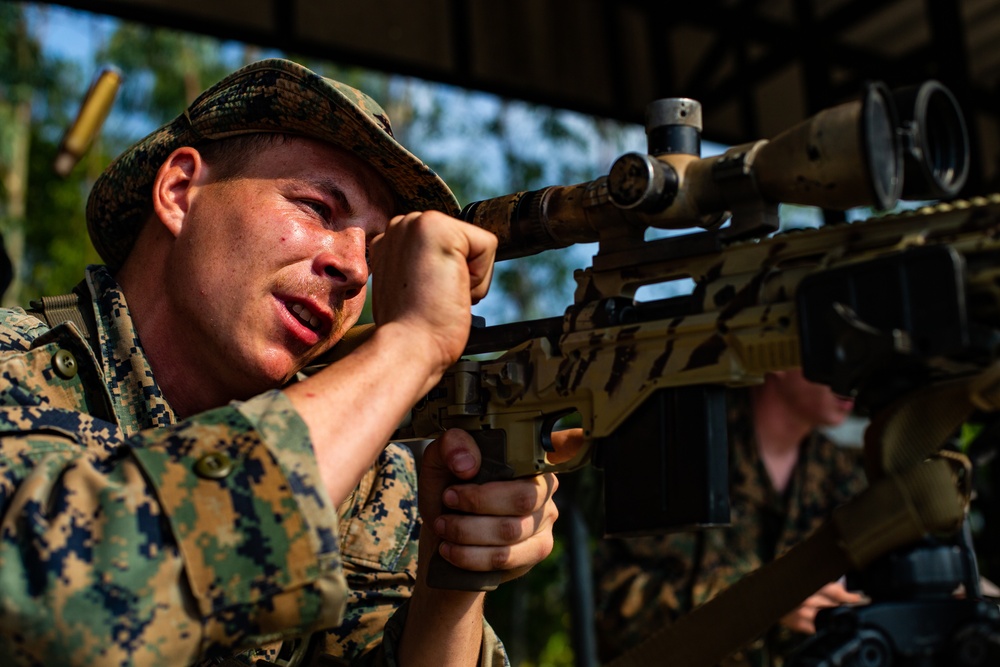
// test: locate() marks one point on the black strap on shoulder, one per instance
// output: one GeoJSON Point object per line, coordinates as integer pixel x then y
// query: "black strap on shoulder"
{"type": "Point", "coordinates": [73, 307]}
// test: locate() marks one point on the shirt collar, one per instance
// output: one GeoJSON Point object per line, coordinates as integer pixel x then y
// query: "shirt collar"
{"type": "Point", "coordinates": [135, 395]}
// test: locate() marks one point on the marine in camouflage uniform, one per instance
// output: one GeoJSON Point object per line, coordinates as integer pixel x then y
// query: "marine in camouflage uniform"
{"type": "Point", "coordinates": [644, 583]}
{"type": "Point", "coordinates": [131, 537]}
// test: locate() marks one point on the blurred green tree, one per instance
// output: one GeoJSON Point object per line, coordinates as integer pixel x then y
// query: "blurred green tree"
{"type": "Point", "coordinates": [42, 215]}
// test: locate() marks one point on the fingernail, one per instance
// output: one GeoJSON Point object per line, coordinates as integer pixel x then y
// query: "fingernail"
{"type": "Point", "coordinates": [462, 462]}
{"type": "Point", "coordinates": [451, 498]}
{"type": "Point", "coordinates": [439, 527]}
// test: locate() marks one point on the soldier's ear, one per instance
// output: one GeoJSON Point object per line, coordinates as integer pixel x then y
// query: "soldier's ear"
{"type": "Point", "coordinates": [174, 186]}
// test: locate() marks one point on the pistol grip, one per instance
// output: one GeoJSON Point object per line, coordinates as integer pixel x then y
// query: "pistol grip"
{"type": "Point", "coordinates": [441, 573]}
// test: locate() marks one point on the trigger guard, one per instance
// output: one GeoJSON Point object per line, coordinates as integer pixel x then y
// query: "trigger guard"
{"type": "Point", "coordinates": [548, 423]}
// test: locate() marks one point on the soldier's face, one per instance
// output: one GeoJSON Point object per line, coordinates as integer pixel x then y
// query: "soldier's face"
{"type": "Point", "coordinates": [271, 264]}
{"type": "Point", "coordinates": [816, 403]}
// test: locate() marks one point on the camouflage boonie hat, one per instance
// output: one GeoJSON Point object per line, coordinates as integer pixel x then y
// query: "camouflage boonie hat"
{"type": "Point", "coordinates": [268, 96]}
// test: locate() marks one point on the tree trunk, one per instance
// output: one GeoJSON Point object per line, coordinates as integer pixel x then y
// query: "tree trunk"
{"type": "Point", "coordinates": [15, 182]}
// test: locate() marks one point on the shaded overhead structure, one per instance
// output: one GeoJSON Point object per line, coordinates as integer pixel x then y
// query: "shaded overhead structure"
{"type": "Point", "coordinates": [757, 66]}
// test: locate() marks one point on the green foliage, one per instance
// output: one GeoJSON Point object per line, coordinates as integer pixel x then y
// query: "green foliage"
{"type": "Point", "coordinates": [57, 247]}
{"type": "Point", "coordinates": [165, 70]}
{"type": "Point", "coordinates": [45, 212]}
{"type": "Point", "coordinates": [20, 56]}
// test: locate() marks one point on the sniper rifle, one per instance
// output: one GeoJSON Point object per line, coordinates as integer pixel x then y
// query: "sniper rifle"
{"type": "Point", "coordinates": [845, 301]}
{"type": "Point", "coordinates": [900, 311]}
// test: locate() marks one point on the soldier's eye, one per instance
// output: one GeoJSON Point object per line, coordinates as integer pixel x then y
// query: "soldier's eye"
{"type": "Point", "coordinates": [318, 207]}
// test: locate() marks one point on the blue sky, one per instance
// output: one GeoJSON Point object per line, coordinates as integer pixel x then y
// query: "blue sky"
{"type": "Point", "coordinates": [69, 33]}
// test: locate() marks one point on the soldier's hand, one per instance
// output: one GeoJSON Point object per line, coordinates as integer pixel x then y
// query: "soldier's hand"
{"type": "Point", "coordinates": [803, 619]}
{"type": "Point", "coordinates": [427, 270]}
{"type": "Point", "coordinates": [505, 525]}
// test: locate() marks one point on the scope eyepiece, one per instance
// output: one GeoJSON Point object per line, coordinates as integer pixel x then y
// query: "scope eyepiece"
{"type": "Point", "coordinates": [935, 141]}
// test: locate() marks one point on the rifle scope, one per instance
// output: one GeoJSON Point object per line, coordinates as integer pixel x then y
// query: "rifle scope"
{"type": "Point", "coordinates": [854, 154]}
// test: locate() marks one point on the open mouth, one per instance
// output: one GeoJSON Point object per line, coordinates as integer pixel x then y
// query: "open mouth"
{"type": "Point", "coordinates": [303, 315]}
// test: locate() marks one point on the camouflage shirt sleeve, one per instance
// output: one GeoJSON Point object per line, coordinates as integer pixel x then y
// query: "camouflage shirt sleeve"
{"type": "Point", "coordinates": [127, 537]}
{"type": "Point", "coordinates": [379, 538]}
{"type": "Point", "coordinates": [160, 546]}
{"type": "Point", "coordinates": [379, 529]}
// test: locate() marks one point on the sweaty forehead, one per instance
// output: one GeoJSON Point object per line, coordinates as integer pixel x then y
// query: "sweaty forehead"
{"type": "Point", "coordinates": [379, 194]}
{"type": "Point", "coordinates": [371, 183]}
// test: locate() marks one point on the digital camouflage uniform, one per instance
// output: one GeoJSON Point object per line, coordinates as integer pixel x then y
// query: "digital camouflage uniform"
{"type": "Point", "coordinates": [129, 537]}
{"type": "Point", "coordinates": [644, 583]}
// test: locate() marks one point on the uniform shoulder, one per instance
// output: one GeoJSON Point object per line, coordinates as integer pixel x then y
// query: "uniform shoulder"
{"type": "Point", "coordinates": [18, 329]}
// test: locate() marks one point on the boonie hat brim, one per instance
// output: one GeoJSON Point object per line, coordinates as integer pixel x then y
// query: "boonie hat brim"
{"type": "Point", "coordinates": [268, 96]}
